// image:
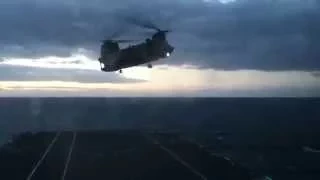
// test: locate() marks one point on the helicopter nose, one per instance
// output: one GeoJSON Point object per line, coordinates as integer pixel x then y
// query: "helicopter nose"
{"type": "Point", "coordinates": [170, 49]}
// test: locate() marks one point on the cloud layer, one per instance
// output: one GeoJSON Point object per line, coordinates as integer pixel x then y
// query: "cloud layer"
{"type": "Point", "coordinates": [255, 34]}
{"type": "Point", "coordinates": [23, 73]}
{"type": "Point", "coordinates": [171, 81]}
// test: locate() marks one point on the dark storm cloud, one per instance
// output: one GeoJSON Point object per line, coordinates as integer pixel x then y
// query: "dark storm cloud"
{"type": "Point", "coordinates": [266, 37]}
{"type": "Point", "coordinates": [256, 34]}
{"type": "Point", "coordinates": [21, 73]}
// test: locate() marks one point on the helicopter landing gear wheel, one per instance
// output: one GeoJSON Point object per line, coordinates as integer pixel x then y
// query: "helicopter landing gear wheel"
{"type": "Point", "coordinates": [149, 66]}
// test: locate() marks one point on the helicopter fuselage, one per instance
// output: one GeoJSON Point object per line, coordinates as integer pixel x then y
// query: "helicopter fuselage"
{"type": "Point", "coordinates": [135, 55]}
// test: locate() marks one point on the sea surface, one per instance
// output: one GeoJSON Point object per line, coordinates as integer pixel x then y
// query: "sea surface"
{"type": "Point", "coordinates": [278, 137]}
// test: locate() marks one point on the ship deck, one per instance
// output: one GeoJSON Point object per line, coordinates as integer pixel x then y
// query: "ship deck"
{"type": "Point", "coordinates": [112, 155]}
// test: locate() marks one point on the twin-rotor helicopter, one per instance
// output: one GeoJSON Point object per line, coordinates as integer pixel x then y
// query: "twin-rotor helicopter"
{"type": "Point", "coordinates": [113, 58]}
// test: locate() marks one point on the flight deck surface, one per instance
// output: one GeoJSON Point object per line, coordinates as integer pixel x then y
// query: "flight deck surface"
{"type": "Point", "coordinates": [112, 155]}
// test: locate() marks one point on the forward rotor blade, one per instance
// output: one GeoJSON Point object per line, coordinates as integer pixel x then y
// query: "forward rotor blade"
{"type": "Point", "coordinates": [147, 25]}
{"type": "Point", "coordinates": [166, 31]}
{"type": "Point", "coordinates": [123, 41]}
{"type": "Point", "coordinates": [119, 31]}
{"type": "Point", "coordinates": [115, 34]}
{"type": "Point", "coordinates": [118, 41]}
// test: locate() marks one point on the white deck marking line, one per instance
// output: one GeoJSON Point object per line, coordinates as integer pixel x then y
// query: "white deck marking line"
{"type": "Point", "coordinates": [69, 155]}
{"type": "Point", "coordinates": [44, 155]}
{"type": "Point", "coordinates": [179, 159]}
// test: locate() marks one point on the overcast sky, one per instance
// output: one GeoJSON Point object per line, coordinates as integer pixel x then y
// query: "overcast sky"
{"type": "Point", "coordinates": [222, 48]}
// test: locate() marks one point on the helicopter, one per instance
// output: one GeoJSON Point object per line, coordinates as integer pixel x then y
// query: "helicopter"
{"type": "Point", "coordinates": [113, 58]}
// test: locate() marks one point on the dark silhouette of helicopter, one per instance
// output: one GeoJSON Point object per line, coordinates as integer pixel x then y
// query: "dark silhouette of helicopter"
{"type": "Point", "coordinates": [112, 58]}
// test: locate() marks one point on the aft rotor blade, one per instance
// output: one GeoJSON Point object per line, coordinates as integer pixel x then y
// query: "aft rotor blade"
{"type": "Point", "coordinates": [116, 34]}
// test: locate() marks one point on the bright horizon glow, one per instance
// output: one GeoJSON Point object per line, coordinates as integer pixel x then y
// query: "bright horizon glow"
{"type": "Point", "coordinates": [227, 1]}
{"type": "Point", "coordinates": [159, 79]}
{"type": "Point", "coordinates": [220, 1]}
{"type": "Point", "coordinates": [75, 61]}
